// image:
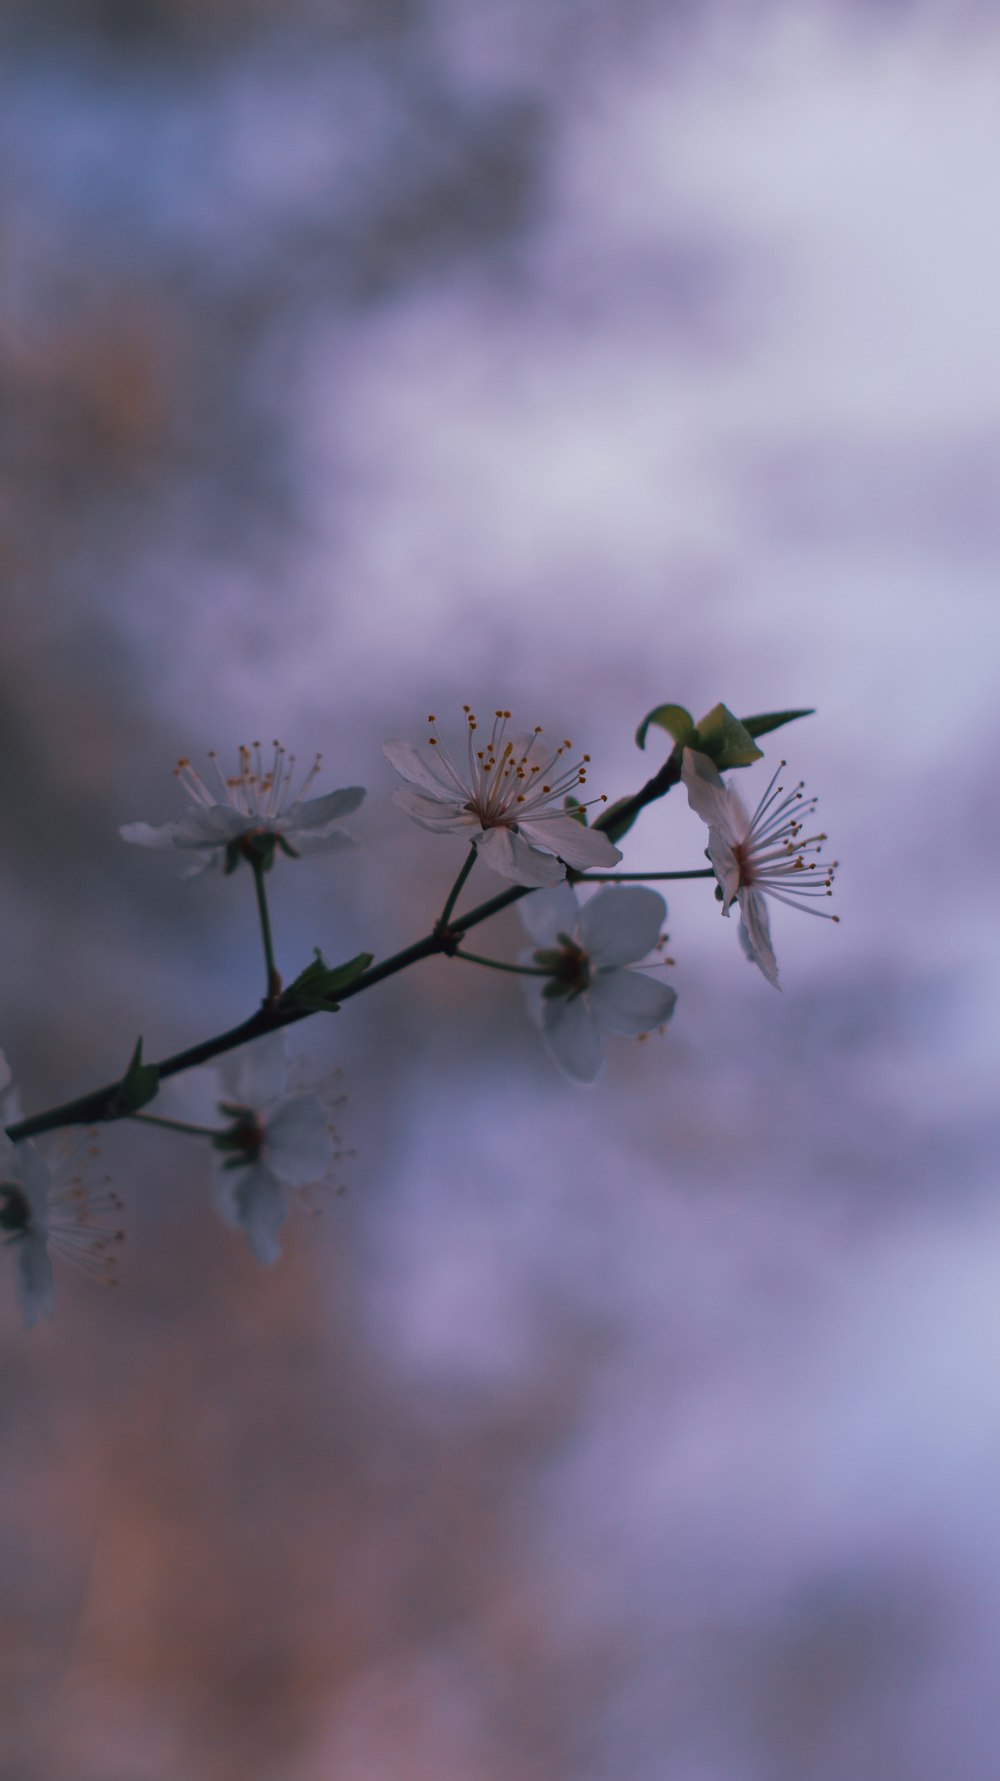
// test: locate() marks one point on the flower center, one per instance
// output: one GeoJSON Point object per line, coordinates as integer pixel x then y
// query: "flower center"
{"type": "Point", "coordinates": [261, 790]}
{"type": "Point", "coordinates": [775, 854]}
{"type": "Point", "coordinates": [568, 967]}
{"type": "Point", "coordinates": [509, 781]}
{"type": "Point", "coordinates": [743, 855]}
{"type": "Point", "coordinates": [244, 1138]}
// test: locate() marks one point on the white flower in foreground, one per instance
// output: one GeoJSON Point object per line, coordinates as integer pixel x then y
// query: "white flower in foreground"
{"type": "Point", "coordinates": [277, 1142]}
{"type": "Point", "coordinates": [52, 1205]}
{"type": "Point", "coordinates": [251, 813]}
{"type": "Point", "coordinates": [506, 798]}
{"type": "Point", "coordinates": [587, 992]}
{"type": "Point", "coordinates": [758, 856]}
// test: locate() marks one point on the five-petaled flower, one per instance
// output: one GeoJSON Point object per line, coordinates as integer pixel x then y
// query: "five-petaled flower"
{"type": "Point", "coordinates": [276, 1141]}
{"type": "Point", "coordinates": [758, 856]}
{"type": "Point", "coordinates": [52, 1204]}
{"type": "Point", "coordinates": [251, 813]}
{"type": "Point", "coordinates": [506, 799]}
{"type": "Point", "coordinates": [585, 990]}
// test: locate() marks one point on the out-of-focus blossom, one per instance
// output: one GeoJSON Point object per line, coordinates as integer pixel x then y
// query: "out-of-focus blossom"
{"type": "Point", "coordinates": [277, 1141]}
{"type": "Point", "coordinates": [251, 813]}
{"type": "Point", "coordinates": [506, 798]}
{"type": "Point", "coordinates": [50, 1205]}
{"type": "Point", "coordinates": [758, 856]}
{"type": "Point", "coordinates": [586, 990]}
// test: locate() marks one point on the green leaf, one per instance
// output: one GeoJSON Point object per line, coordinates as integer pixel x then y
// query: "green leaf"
{"type": "Point", "coordinates": [317, 987]}
{"type": "Point", "coordinates": [575, 809]}
{"type": "Point", "coordinates": [772, 720]}
{"type": "Point", "coordinates": [677, 722]}
{"type": "Point", "coordinates": [725, 740]}
{"type": "Point", "coordinates": [138, 1085]}
{"type": "Point", "coordinates": [615, 822]}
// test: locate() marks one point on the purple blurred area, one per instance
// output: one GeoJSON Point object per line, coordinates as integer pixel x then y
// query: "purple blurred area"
{"type": "Point", "coordinates": [359, 358]}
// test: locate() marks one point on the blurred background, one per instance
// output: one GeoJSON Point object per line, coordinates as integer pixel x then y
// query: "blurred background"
{"type": "Point", "coordinates": [359, 358]}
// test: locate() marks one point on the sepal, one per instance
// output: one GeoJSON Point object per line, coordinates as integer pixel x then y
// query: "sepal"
{"type": "Point", "coordinates": [139, 1084]}
{"type": "Point", "coordinates": [677, 722]}
{"type": "Point", "coordinates": [317, 987]}
{"type": "Point", "coordinates": [725, 739]}
{"type": "Point", "coordinates": [773, 720]}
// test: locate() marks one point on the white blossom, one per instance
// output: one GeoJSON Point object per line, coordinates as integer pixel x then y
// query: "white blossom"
{"type": "Point", "coordinates": [506, 798]}
{"type": "Point", "coordinates": [52, 1203]}
{"type": "Point", "coordinates": [587, 991]}
{"type": "Point", "coordinates": [276, 1142]}
{"type": "Point", "coordinates": [254, 811]}
{"type": "Point", "coordinates": [758, 856]}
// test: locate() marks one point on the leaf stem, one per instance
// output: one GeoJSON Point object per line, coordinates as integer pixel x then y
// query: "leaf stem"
{"type": "Point", "coordinates": [455, 892]}
{"type": "Point", "coordinates": [476, 958]}
{"type": "Point", "coordinates": [273, 990]}
{"type": "Point", "coordinates": [179, 1125]}
{"type": "Point", "coordinates": [638, 877]}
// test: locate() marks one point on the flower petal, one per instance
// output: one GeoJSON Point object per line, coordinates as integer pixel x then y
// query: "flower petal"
{"type": "Point", "coordinates": [192, 1097]}
{"type": "Point", "coordinates": [755, 934]}
{"type": "Point", "coordinates": [725, 865]}
{"type": "Point", "coordinates": [261, 1071]}
{"type": "Point", "coordinates": [203, 862]}
{"type": "Point", "coordinates": [710, 798]}
{"type": "Point", "coordinates": [319, 813]}
{"type": "Point", "coordinates": [548, 914]}
{"type": "Point", "coordinates": [511, 856]}
{"type": "Point", "coordinates": [630, 1002]}
{"type": "Point", "coordinates": [618, 926]}
{"type": "Point", "coordinates": [534, 990]}
{"type": "Point", "coordinates": [439, 817]}
{"type": "Point", "coordinates": [578, 846]}
{"type": "Point", "coordinates": [307, 844]}
{"type": "Point", "coordinates": [213, 826]}
{"type": "Point", "coordinates": [143, 834]}
{"type": "Point", "coordinates": [297, 1141]}
{"type": "Point", "coordinates": [254, 1201]}
{"type": "Point", "coordinates": [572, 1038]}
{"type": "Point", "coordinates": [423, 767]}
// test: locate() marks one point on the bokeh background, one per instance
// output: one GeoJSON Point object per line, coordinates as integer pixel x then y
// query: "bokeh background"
{"type": "Point", "coordinates": [362, 357]}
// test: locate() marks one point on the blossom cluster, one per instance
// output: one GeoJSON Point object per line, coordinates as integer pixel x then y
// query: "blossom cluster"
{"type": "Point", "coordinates": [594, 966]}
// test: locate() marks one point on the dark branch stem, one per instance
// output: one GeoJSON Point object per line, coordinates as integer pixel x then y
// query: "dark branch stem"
{"type": "Point", "coordinates": [102, 1103]}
